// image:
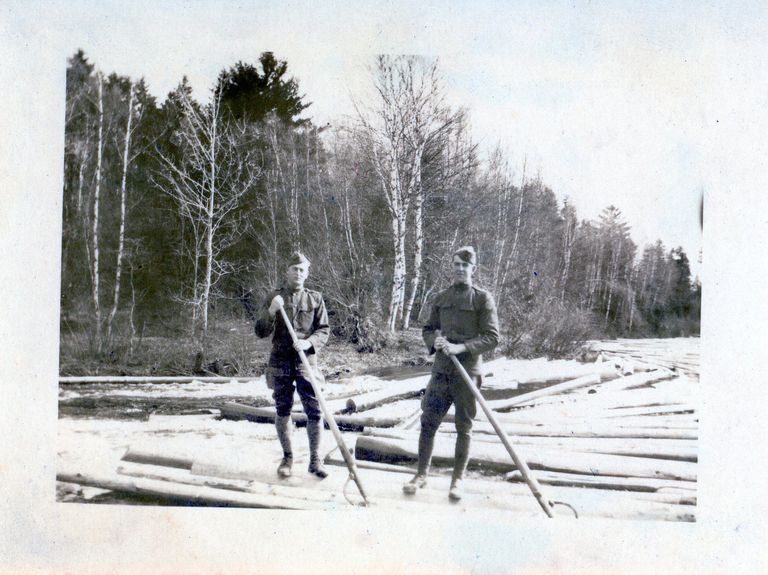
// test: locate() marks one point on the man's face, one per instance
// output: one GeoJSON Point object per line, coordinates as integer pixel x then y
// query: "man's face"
{"type": "Point", "coordinates": [462, 271]}
{"type": "Point", "coordinates": [296, 275]}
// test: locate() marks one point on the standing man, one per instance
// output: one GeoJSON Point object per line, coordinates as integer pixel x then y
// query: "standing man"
{"type": "Point", "coordinates": [285, 372]}
{"type": "Point", "coordinates": [463, 322]}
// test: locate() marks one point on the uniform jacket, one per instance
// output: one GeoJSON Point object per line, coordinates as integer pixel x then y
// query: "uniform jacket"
{"type": "Point", "coordinates": [467, 315]}
{"type": "Point", "coordinates": [307, 310]}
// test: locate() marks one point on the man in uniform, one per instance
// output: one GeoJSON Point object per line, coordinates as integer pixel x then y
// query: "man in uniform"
{"type": "Point", "coordinates": [464, 323]}
{"type": "Point", "coordinates": [285, 372]}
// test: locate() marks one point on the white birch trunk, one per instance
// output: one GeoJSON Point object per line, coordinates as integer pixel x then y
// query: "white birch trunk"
{"type": "Point", "coordinates": [209, 228]}
{"type": "Point", "coordinates": [418, 247]}
{"type": "Point", "coordinates": [95, 231]}
{"type": "Point", "coordinates": [121, 233]}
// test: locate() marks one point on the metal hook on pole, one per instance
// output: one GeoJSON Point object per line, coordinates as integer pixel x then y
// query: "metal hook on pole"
{"type": "Point", "coordinates": [525, 471]}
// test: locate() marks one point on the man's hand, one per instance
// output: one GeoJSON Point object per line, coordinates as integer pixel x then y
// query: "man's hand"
{"type": "Point", "coordinates": [302, 345]}
{"type": "Point", "coordinates": [442, 344]}
{"type": "Point", "coordinates": [277, 303]}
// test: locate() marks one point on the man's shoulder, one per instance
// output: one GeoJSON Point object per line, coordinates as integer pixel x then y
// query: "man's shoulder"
{"type": "Point", "coordinates": [482, 294]}
{"type": "Point", "coordinates": [314, 296]}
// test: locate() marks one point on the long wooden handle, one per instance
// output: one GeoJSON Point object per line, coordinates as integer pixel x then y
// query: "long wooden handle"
{"type": "Point", "coordinates": [546, 505]}
{"type": "Point", "coordinates": [324, 408]}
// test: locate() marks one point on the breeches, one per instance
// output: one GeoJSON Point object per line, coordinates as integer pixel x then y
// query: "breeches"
{"type": "Point", "coordinates": [442, 391]}
{"type": "Point", "coordinates": [284, 386]}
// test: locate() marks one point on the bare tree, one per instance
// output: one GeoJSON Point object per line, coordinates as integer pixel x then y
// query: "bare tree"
{"type": "Point", "coordinates": [408, 115]}
{"type": "Point", "coordinates": [95, 277]}
{"type": "Point", "coordinates": [123, 196]}
{"type": "Point", "coordinates": [208, 181]}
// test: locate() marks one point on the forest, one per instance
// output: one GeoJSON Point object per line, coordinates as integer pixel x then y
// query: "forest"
{"type": "Point", "coordinates": [178, 216]}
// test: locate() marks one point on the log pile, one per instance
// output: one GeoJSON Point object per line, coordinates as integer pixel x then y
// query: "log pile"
{"type": "Point", "coordinates": [609, 445]}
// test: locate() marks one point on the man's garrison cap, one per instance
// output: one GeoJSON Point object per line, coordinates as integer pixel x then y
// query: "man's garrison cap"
{"type": "Point", "coordinates": [297, 258]}
{"type": "Point", "coordinates": [467, 254]}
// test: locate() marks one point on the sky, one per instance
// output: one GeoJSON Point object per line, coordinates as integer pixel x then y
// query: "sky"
{"type": "Point", "coordinates": [603, 100]}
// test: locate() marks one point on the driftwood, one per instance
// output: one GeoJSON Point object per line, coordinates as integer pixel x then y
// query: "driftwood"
{"type": "Point", "coordinates": [353, 422]}
{"type": "Point", "coordinates": [492, 457]}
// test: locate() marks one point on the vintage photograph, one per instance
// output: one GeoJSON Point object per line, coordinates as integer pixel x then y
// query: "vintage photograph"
{"type": "Point", "coordinates": [478, 324]}
{"type": "Point", "coordinates": [382, 287]}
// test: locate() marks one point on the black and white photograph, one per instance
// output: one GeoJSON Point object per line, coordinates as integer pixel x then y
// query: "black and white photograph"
{"type": "Point", "coordinates": [384, 287]}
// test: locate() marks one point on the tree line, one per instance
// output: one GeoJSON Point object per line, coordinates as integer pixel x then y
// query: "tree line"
{"type": "Point", "coordinates": [180, 209]}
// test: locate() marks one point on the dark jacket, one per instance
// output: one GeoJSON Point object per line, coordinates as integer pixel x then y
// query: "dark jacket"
{"type": "Point", "coordinates": [310, 321]}
{"type": "Point", "coordinates": [465, 315]}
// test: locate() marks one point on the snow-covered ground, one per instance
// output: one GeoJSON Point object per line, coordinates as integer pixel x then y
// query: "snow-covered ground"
{"type": "Point", "coordinates": [94, 436]}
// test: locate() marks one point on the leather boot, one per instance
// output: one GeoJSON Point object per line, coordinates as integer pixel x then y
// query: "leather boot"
{"type": "Point", "coordinates": [460, 459]}
{"type": "Point", "coordinates": [426, 445]}
{"type": "Point", "coordinates": [313, 435]}
{"type": "Point", "coordinates": [283, 426]}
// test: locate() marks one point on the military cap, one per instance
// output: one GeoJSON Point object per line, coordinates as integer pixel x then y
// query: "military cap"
{"type": "Point", "coordinates": [467, 254]}
{"type": "Point", "coordinates": [297, 258]}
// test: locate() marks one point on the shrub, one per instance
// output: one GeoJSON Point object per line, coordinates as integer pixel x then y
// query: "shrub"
{"type": "Point", "coordinates": [550, 329]}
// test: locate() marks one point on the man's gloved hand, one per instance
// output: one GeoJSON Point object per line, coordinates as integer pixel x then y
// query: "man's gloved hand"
{"type": "Point", "coordinates": [277, 303]}
{"type": "Point", "coordinates": [302, 345]}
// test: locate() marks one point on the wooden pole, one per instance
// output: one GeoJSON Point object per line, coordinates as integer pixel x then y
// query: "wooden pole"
{"type": "Point", "coordinates": [328, 416]}
{"type": "Point", "coordinates": [521, 465]}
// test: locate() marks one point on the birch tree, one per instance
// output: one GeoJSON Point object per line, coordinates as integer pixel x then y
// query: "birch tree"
{"type": "Point", "coordinates": [409, 113]}
{"type": "Point", "coordinates": [207, 181]}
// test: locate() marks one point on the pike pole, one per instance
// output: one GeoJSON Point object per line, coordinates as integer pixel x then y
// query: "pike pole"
{"type": "Point", "coordinates": [546, 505]}
{"type": "Point", "coordinates": [350, 461]}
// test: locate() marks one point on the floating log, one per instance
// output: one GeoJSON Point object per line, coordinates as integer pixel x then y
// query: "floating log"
{"type": "Point", "coordinates": [495, 458]}
{"type": "Point", "coordinates": [389, 394]}
{"type": "Point", "coordinates": [237, 411]}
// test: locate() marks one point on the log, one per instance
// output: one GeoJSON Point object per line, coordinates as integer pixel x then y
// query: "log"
{"type": "Point", "coordinates": [393, 392]}
{"type": "Point", "coordinates": [139, 456]}
{"type": "Point", "coordinates": [200, 495]}
{"type": "Point", "coordinates": [386, 494]}
{"type": "Point", "coordinates": [495, 458]}
{"type": "Point", "coordinates": [656, 395]}
{"type": "Point", "coordinates": [605, 369]}
{"type": "Point", "coordinates": [585, 381]}
{"type": "Point", "coordinates": [237, 411]}
{"type": "Point", "coordinates": [385, 491]}
{"type": "Point", "coordinates": [677, 450]}
{"type": "Point", "coordinates": [641, 484]}
{"type": "Point", "coordinates": [581, 429]}
{"type": "Point", "coordinates": [155, 379]}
